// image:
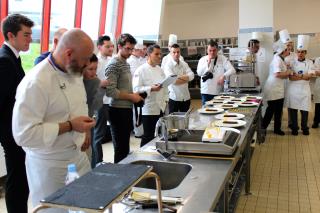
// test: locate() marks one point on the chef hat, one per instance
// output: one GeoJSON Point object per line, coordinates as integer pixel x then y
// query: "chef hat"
{"type": "Point", "coordinates": [257, 36]}
{"type": "Point", "coordinates": [139, 44]}
{"type": "Point", "coordinates": [173, 39]}
{"type": "Point", "coordinates": [280, 47]}
{"type": "Point", "coordinates": [303, 42]}
{"type": "Point", "coordinates": [284, 36]}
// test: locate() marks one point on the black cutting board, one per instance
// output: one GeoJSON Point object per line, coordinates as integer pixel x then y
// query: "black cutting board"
{"type": "Point", "coordinates": [99, 187]}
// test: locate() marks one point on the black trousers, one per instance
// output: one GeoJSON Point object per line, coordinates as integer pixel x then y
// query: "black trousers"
{"type": "Point", "coordinates": [121, 127]}
{"type": "Point", "coordinates": [274, 109]}
{"type": "Point", "coordinates": [101, 134]}
{"type": "Point", "coordinates": [316, 119]}
{"type": "Point", "coordinates": [149, 125]}
{"type": "Point", "coordinates": [178, 106]}
{"type": "Point", "coordinates": [16, 188]}
{"type": "Point", "coordinates": [294, 119]}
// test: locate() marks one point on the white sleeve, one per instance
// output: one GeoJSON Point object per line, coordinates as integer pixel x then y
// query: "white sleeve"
{"type": "Point", "coordinates": [28, 125]}
{"type": "Point", "coordinates": [138, 84]}
{"type": "Point", "coordinates": [228, 68]}
{"type": "Point", "coordinates": [276, 65]}
{"type": "Point", "coordinates": [189, 72]}
{"type": "Point", "coordinates": [202, 66]}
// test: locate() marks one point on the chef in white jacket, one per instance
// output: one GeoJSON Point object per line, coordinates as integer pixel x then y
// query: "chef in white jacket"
{"type": "Point", "coordinates": [135, 61]}
{"type": "Point", "coordinates": [147, 79]}
{"type": "Point", "coordinates": [50, 117]}
{"type": "Point", "coordinates": [298, 93]}
{"type": "Point", "coordinates": [173, 39]}
{"type": "Point", "coordinates": [213, 69]}
{"type": "Point", "coordinates": [316, 94]}
{"type": "Point", "coordinates": [179, 95]}
{"type": "Point", "coordinates": [274, 89]}
{"type": "Point", "coordinates": [286, 39]}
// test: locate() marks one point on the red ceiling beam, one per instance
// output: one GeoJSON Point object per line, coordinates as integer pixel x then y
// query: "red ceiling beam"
{"type": "Point", "coordinates": [3, 14]}
{"type": "Point", "coordinates": [120, 18]}
{"type": "Point", "coordinates": [103, 15]}
{"type": "Point", "coordinates": [45, 32]}
{"type": "Point", "coordinates": [78, 14]}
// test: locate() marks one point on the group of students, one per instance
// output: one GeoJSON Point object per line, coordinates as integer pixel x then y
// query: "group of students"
{"type": "Point", "coordinates": [288, 85]}
{"type": "Point", "coordinates": [48, 122]}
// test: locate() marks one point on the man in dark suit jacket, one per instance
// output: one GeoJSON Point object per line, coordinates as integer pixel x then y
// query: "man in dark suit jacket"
{"type": "Point", "coordinates": [17, 32]}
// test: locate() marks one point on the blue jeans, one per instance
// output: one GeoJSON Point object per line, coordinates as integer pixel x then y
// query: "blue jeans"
{"type": "Point", "coordinates": [205, 98]}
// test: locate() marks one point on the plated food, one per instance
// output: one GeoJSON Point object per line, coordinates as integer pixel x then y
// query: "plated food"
{"type": "Point", "coordinates": [230, 123]}
{"type": "Point", "coordinates": [230, 116]}
{"type": "Point", "coordinates": [253, 97]}
{"type": "Point", "coordinates": [248, 104]}
{"type": "Point", "coordinates": [227, 106]}
{"type": "Point", "coordinates": [210, 110]}
{"type": "Point", "coordinates": [223, 97]}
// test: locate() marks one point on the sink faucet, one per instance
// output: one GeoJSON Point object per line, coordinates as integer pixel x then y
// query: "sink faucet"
{"type": "Point", "coordinates": [166, 153]}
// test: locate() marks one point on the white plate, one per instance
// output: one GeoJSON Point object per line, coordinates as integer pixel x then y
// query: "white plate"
{"type": "Point", "coordinates": [238, 100]}
{"type": "Point", "coordinates": [217, 129]}
{"type": "Point", "coordinates": [215, 101]}
{"type": "Point", "coordinates": [223, 97]}
{"type": "Point", "coordinates": [227, 106]}
{"type": "Point", "coordinates": [252, 97]}
{"type": "Point", "coordinates": [238, 123]}
{"type": "Point", "coordinates": [251, 104]}
{"type": "Point", "coordinates": [237, 116]}
{"type": "Point", "coordinates": [207, 110]}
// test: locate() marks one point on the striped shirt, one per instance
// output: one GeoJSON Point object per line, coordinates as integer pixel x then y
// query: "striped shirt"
{"type": "Point", "coordinates": [119, 75]}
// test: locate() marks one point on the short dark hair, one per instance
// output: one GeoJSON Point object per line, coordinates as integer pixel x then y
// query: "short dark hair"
{"type": "Point", "coordinates": [212, 43]}
{"type": "Point", "coordinates": [253, 42]}
{"type": "Point", "coordinates": [152, 47]}
{"type": "Point", "coordinates": [126, 37]}
{"type": "Point", "coordinates": [175, 46]}
{"type": "Point", "coordinates": [93, 58]}
{"type": "Point", "coordinates": [101, 39]}
{"type": "Point", "coordinates": [12, 23]}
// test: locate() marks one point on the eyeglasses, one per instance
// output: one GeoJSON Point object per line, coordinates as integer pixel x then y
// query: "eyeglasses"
{"type": "Point", "coordinates": [128, 49]}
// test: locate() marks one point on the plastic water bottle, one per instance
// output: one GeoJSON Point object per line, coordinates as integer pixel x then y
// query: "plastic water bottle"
{"type": "Point", "coordinates": [225, 85]}
{"type": "Point", "coordinates": [71, 176]}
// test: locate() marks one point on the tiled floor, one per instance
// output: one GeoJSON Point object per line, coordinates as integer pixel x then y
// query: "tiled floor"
{"type": "Point", "coordinates": [285, 173]}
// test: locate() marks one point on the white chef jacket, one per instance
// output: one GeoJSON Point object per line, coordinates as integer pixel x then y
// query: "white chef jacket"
{"type": "Point", "coordinates": [223, 67]}
{"type": "Point", "coordinates": [316, 88]}
{"type": "Point", "coordinates": [46, 97]}
{"type": "Point", "coordinates": [274, 87]}
{"type": "Point", "coordinates": [167, 58]}
{"type": "Point", "coordinates": [134, 63]}
{"type": "Point", "coordinates": [144, 77]}
{"type": "Point", "coordinates": [291, 58]}
{"type": "Point", "coordinates": [101, 72]}
{"type": "Point", "coordinates": [178, 92]}
{"type": "Point", "coordinates": [298, 93]}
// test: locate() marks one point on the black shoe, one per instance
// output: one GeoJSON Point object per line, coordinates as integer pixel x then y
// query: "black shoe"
{"type": "Point", "coordinates": [305, 132]}
{"type": "Point", "coordinates": [294, 132]}
{"type": "Point", "coordinates": [314, 125]}
{"type": "Point", "coordinates": [279, 132]}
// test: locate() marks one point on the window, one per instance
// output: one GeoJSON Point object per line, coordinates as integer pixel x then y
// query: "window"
{"type": "Point", "coordinates": [33, 10]}
{"type": "Point", "coordinates": [90, 17]}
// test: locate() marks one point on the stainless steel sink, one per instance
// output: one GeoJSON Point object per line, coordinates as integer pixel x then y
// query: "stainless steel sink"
{"type": "Point", "coordinates": [171, 174]}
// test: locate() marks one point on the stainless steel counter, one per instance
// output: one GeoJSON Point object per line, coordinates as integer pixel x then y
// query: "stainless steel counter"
{"type": "Point", "coordinates": [207, 183]}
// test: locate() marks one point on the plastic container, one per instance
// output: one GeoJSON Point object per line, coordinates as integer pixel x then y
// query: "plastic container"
{"type": "Point", "coordinates": [72, 175]}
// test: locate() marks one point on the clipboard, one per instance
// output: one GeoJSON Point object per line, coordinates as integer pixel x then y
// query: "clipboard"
{"type": "Point", "coordinates": [168, 80]}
